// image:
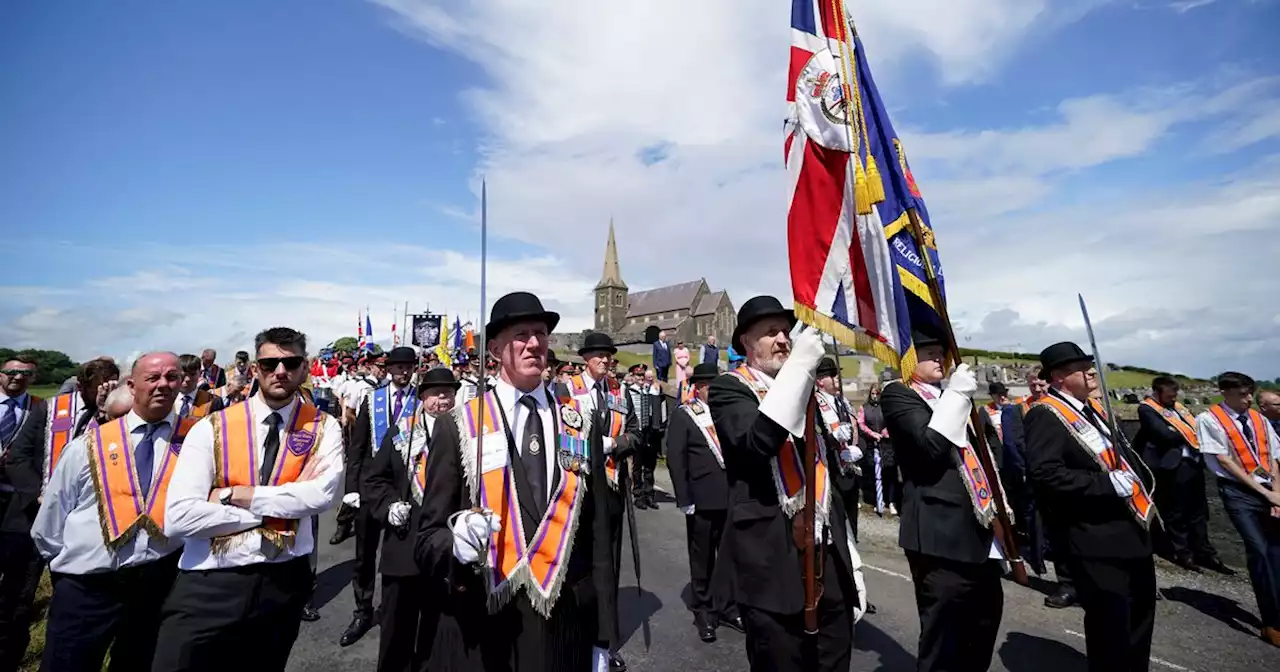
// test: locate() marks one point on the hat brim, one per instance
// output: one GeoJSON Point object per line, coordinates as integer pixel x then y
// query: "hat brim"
{"type": "Point", "coordinates": [547, 317]}
{"type": "Point", "coordinates": [423, 387]}
{"type": "Point", "coordinates": [1046, 370]}
{"type": "Point", "coordinates": [609, 349]}
{"type": "Point", "coordinates": [703, 378]}
{"type": "Point", "coordinates": [742, 327]}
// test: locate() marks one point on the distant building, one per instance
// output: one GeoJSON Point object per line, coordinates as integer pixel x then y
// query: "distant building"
{"type": "Point", "coordinates": [689, 311]}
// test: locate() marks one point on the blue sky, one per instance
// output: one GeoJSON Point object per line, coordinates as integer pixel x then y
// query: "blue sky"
{"type": "Point", "coordinates": [182, 174]}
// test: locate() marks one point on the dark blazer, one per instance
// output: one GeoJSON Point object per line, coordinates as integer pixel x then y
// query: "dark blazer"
{"type": "Point", "coordinates": [661, 354]}
{"type": "Point", "coordinates": [696, 476]}
{"type": "Point", "coordinates": [386, 481]}
{"type": "Point", "coordinates": [1014, 439]}
{"type": "Point", "coordinates": [766, 561]}
{"type": "Point", "coordinates": [22, 467]}
{"type": "Point", "coordinates": [1077, 500]}
{"type": "Point", "coordinates": [359, 449]}
{"type": "Point", "coordinates": [579, 615]}
{"type": "Point", "coordinates": [709, 353]}
{"type": "Point", "coordinates": [937, 512]}
{"type": "Point", "coordinates": [1159, 444]}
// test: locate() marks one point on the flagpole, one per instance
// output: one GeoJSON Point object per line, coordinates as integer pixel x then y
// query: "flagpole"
{"type": "Point", "coordinates": [1002, 526]}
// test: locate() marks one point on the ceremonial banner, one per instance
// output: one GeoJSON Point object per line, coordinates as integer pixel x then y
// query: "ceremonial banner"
{"type": "Point", "coordinates": [442, 349]}
{"type": "Point", "coordinates": [368, 330]}
{"type": "Point", "coordinates": [426, 331]}
{"type": "Point", "coordinates": [856, 271]}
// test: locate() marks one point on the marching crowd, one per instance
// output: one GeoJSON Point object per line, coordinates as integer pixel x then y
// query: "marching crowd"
{"type": "Point", "coordinates": [175, 503]}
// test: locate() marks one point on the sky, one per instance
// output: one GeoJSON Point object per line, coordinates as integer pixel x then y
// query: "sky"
{"type": "Point", "coordinates": [183, 175]}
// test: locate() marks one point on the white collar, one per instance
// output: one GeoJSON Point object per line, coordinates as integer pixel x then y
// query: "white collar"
{"type": "Point", "coordinates": [508, 393]}
{"type": "Point", "coordinates": [764, 377]}
{"type": "Point", "coordinates": [133, 421]}
{"type": "Point", "coordinates": [261, 410]}
{"type": "Point", "coordinates": [1075, 403]}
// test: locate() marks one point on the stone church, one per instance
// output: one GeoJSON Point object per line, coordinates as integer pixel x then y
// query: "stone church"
{"type": "Point", "coordinates": [689, 311]}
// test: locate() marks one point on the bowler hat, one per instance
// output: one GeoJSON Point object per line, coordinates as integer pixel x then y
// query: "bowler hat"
{"type": "Point", "coordinates": [519, 307]}
{"type": "Point", "coordinates": [597, 341]}
{"type": "Point", "coordinates": [402, 355]}
{"type": "Point", "coordinates": [438, 377]}
{"type": "Point", "coordinates": [636, 368]}
{"type": "Point", "coordinates": [827, 367]}
{"type": "Point", "coordinates": [704, 371]}
{"type": "Point", "coordinates": [756, 309]}
{"type": "Point", "coordinates": [1059, 355]}
{"type": "Point", "coordinates": [924, 335]}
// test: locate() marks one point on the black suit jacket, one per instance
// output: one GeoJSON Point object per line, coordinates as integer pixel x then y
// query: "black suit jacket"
{"type": "Point", "coordinates": [1159, 444]}
{"type": "Point", "coordinates": [697, 477]}
{"type": "Point", "coordinates": [1077, 500]}
{"type": "Point", "coordinates": [359, 450]}
{"type": "Point", "coordinates": [766, 561]}
{"type": "Point", "coordinates": [22, 467]}
{"type": "Point", "coordinates": [937, 512]}
{"type": "Point", "coordinates": [386, 481]}
{"type": "Point", "coordinates": [588, 576]}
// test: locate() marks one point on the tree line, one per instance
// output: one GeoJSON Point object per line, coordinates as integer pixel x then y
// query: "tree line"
{"type": "Point", "coordinates": [52, 366]}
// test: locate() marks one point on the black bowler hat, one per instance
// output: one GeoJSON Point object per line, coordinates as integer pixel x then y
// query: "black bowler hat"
{"type": "Point", "coordinates": [754, 310]}
{"type": "Point", "coordinates": [1059, 355]}
{"type": "Point", "coordinates": [402, 355]}
{"type": "Point", "coordinates": [827, 367]}
{"type": "Point", "coordinates": [704, 371]}
{"type": "Point", "coordinates": [924, 335]}
{"type": "Point", "coordinates": [597, 341]}
{"type": "Point", "coordinates": [518, 307]}
{"type": "Point", "coordinates": [438, 377]}
{"type": "Point", "coordinates": [637, 368]}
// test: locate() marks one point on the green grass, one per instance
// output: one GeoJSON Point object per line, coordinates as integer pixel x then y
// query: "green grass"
{"type": "Point", "coordinates": [44, 391]}
{"type": "Point", "coordinates": [31, 660]}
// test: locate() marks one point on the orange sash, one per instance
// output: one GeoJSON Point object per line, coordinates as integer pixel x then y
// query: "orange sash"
{"type": "Point", "coordinates": [235, 457]}
{"type": "Point", "coordinates": [993, 412]}
{"type": "Point", "coordinates": [539, 566]}
{"type": "Point", "coordinates": [788, 465]}
{"type": "Point", "coordinates": [1178, 418]}
{"type": "Point", "coordinates": [122, 509]}
{"type": "Point", "coordinates": [60, 427]}
{"type": "Point", "coordinates": [981, 494]}
{"type": "Point", "coordinates": [1256, 461]}
{"type": "Point", "coordinates": [1100, 448]}
{"type": "Point", "coordinates": [201, 404]}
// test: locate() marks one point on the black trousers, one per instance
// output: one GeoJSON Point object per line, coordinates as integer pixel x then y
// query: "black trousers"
{"type": "Point", "coordinates": [1184, 509]}
{"type": "Point", "coordinates": [850, 491]}
{"type": "Point", "coordinates": [1119, 600]}
{"type": "Point", "coordinates": [249, 615]}
{"type": "Point", "coordinates": [20, 569]}
{"type": "Point", "coordinates": [368, 540]}
{"type": "Point", "coordinates": [960, 605]}
{"type": "Point", "coordinates": [712, 594]}
{"type": "Point", "coordinates": [117, 611]}
{"type": "Point", "coordinates": [646, 462]}
{"type": "Point", "coordinates": [408, 625]}
{"type": "Point", "coordinates": [777, 643]}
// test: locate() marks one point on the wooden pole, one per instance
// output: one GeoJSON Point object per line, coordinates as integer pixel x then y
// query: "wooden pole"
{"type": "Point", "coordinates": [808, 521]}
{"type": "Point", "coordinates": [1002, 526]}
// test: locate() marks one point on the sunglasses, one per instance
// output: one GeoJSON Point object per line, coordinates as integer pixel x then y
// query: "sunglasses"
{"type": "Point", "coordinates": [269, 364]}
{"type": "Point", "coordinates": [17, 372]}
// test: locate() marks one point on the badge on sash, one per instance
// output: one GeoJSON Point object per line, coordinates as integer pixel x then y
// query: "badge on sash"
{"type": "Point", "coordinates": [571, 418]}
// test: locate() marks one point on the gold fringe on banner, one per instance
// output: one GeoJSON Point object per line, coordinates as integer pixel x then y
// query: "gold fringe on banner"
{"type": "Point", "coordinates": [858, 340]}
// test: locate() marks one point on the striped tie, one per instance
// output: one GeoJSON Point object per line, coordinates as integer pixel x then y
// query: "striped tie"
{"type": "Point", "coordinates": [879, 485]}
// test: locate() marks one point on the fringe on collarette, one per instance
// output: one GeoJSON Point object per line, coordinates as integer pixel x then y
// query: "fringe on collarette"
{"type": "Point", "coordinates": [466, 446]}
{"type": "Point", "coordinates": [281, 540]}
{"type": "Point", "coordinates": [984, 518]}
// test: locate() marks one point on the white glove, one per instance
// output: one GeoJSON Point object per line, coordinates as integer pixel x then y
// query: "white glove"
{"type": "Point", "coordinates": [843, 433]}
{"type": "Point", "coordinates": [599, 659]}
{"type": "Point", "coordinates": [789, 397]}
{"type": "Point", "coordinates": [352, 499]}
{"type": "Point", "coordinates": [1123, 482]}
{"type": "Point", "coordinates": [963, 380]}
{"type": "Point", "coordinates": [471, 533]}
{"type": "Point", "coordinates": [398, 514]}
{"type": "Point", "coordinates": [951, 415]}
{"type": "Point", "coordinates": [688, 510]}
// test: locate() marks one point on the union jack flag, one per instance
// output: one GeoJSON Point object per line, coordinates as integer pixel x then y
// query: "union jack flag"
{"type": "Point", "coordinates": [856, 271]}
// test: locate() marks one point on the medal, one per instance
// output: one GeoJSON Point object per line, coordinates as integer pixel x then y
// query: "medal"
{"type": "Point", "coordinates": [571, 418]}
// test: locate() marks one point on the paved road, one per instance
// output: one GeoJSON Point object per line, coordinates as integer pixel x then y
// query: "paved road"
{"type": "Point", "coordinates": [1205, 624]}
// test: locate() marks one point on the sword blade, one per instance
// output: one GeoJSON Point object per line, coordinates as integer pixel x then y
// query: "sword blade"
{"type": "Point", "coordinates": [1102, 368]}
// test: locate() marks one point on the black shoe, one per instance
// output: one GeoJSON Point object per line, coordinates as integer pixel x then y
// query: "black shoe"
{"type": "Point", "coordinates": [653, 504]}
{"type": "Point", "coordinates": [309, 614]}
{"type": "Point", "coordinates": [1215, 565]}
{"type": "Point", "coordinates": [734, 623]}
{"type": "Point", "coordinates": [706, 631]}
{"type": "Point", "coordinates": [1187, 564]}
{"type": "Point", "coordinates": [1061, 600]}
{"type": "Point", "coordinates": [343, 533]}
{"type": "Point", "coordinates": [616, 663]}
{"type": "Point", "coordinates": [360, 624]}
{"type": "Point", "coordinates": [871, 608]}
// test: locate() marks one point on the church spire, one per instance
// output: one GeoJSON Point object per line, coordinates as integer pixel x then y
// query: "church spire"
{"type": "Point", "coordinates": [612, 275]}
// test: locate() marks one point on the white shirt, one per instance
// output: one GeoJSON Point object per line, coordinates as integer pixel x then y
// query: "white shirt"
{"type": "Point", "coordinates": [177, 403]}
{"type": "Point", "coordinates": [1079, 406]}
{"type": "Point", "coordinates": [68, 530]}
{"type": "Point", "coordinates": [190, 514]}
{"type": "Point", "coordinates": [590, 400]}
{"type": "Point", "coordinates": [509, 397]}
{"type": "Point", "coordinates": [1214, 441]}
{"type": "Point", "coordinates": [358, 389]}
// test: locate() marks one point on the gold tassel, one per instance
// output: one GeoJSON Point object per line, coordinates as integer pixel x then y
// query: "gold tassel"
{"type": "Point", "coordinates": [861, 199]}
{"type": "Point", "coordinates": [875, 185]}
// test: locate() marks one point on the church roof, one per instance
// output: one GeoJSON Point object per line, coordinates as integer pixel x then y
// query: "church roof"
{"type": "Point", "coordinates": [709, 303]}
{"type": "Point", "coordinates": [664, 299]}
{"type": "Point", "coordinates": [637, 330]}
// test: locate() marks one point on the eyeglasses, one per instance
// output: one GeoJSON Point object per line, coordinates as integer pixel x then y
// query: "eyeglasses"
{"type": "Point", "coordinates": [269, 364]}
{"type": "Point", "coordinates": [18, 372]}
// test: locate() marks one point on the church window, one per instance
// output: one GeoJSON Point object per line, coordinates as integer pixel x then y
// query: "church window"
{"type": "Point", "coordinates": [602, 301]}
{"type": "Point", "coordinates": [617, 300]}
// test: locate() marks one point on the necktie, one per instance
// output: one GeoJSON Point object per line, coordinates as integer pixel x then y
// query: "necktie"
{"type": "Point", "coordinates": [144, 458]}
{"type": "Point", "coordinates": [186, 406]}
{"type": "Point", "coordinates": [601, 406]}
{"type": "Point", "coordinates": [1247, 429]}
{"type": "Point", "coordinates": [8, 420]}
{"type": "Point", "coordinates": [395, 411]}
{"type": "Point", "coordinates": [270, 449]}
{"type": "Point", "coordinates": [533, 452]}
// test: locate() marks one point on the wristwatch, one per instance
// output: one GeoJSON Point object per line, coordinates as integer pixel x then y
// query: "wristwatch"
{"type": "Point", "coordinates": [225, 496]}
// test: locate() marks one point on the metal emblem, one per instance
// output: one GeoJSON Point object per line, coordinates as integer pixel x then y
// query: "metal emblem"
{"type": "Point", "coordinates": [535, 445]}
{"type": "Point", "coordinates": [571, 418]}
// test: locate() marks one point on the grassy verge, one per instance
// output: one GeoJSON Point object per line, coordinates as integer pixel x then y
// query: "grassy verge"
{"type": "Point", "coordinates": [31, 660]}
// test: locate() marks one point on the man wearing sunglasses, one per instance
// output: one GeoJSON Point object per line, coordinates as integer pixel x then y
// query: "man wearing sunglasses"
{"type": "Point", "coordinates": [241, 506]}
{"type": "Point", "coordinates": [22, 421]}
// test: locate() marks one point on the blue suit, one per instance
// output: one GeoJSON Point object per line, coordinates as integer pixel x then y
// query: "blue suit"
{"type": "Point", "coordinates": [661, 359]}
